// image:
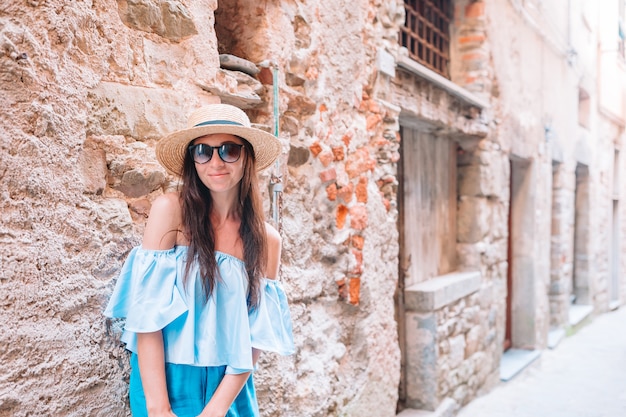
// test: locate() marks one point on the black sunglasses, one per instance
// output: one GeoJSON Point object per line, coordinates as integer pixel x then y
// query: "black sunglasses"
{"type": "Point", "coordinates": [228, 152]}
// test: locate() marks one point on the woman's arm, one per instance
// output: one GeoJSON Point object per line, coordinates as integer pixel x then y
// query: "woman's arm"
{"type": "Point", "coordinates": [160, 234]}
{"type": "Point", "coordinates": [151, 359]}
{"type": "Point", "coordinates": [227, 391]}
{"type": "Point", "coordinates": [274, 247]}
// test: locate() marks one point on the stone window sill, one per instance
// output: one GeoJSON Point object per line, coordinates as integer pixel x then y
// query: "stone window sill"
{"type": "Point", "coordinates": [416, 68]}
{"type": "Point", "coordinates": [441, 291]}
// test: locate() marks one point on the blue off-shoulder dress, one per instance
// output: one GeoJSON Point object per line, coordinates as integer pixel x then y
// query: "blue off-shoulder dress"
{"type": "Point", "coordinates": [203, 339]}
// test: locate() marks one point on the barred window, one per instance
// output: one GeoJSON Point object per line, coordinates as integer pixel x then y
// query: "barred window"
{"type": "Point", "coordinates": [426, 33]}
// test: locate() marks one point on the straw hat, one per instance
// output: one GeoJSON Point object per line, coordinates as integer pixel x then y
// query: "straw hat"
{"type": "Point", "coordinates": [216, 118]}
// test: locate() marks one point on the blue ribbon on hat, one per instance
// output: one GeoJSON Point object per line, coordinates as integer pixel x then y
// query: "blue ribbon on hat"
{"type": "Point", "coordinates": [218, 122]}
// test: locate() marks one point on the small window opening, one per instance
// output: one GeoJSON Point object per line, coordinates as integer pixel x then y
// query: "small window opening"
{"type": "Point", "coordinates": [426, 33]}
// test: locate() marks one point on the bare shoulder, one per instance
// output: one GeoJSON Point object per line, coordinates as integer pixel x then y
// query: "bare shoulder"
{"type": "Point", "coordinates": [164, 222]}
{"type": "Point", "coordinates": [166, 205]}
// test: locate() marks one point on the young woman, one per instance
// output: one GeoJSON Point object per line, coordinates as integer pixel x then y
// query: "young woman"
{"type": "Point", "coordinates": [199, 295]}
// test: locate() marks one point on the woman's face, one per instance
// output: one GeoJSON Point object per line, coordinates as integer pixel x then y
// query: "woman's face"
{"type": "Point", "coordinates": [219, 176]}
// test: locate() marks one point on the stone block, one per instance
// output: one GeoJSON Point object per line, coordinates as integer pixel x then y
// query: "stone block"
{"type": "Point", "coordinates": [473, 219]}
{"type": "Point", "coordinates": [421, 360]}
{"type": "Point", "coordinates": [473, 340]}
{"type": "Point", "coordinates": [136, 183]}
{"type": "Point", "coordinates": [441, 291]}
{"type": "Point", "coordinates": [167, 18]}
{"type": "Point", "coordinates": [457, 351]}
{"type": "Point", "coordinates": [138, 112]}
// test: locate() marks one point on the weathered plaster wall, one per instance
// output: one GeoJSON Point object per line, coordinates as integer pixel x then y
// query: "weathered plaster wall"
{"type": "Point", "coordinates": [88, 89]}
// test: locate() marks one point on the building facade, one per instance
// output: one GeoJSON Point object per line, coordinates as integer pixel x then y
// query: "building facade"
{"type": "Point", "coordinates": [449, 195]}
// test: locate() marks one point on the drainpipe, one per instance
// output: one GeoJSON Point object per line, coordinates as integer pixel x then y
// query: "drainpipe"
{"type": "Point", "coordinates": [276, 185]}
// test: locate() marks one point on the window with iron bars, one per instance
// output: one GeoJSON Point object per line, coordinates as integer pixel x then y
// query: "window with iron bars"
{"type": "Point", "coordinates": [426, 33]}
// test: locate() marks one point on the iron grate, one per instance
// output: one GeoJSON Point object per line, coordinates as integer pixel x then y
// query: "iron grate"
{"type": "Point", "coordinates": [426, 33]}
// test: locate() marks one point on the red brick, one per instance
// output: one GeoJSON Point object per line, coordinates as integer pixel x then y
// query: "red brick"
{"type": "Point", "coordinates": [345, 193]}
{"type": "Point", "coordinates": [346, 139]}
{"type": "Point", "coordinates": [475, 9]}
{"type": "Point", "coordinates": [331, 192]}
{"type": "Point", "coordinates": [339, 153]}
{"type": "Point", "coordinates": [361, 190]}
{"type": "Point", "coordinates": [265, 76]}
{"type": "Point", "coordinates": [315, 149]}
{"type": "Point", "coordinates": [358, 256]}
{"type": "Point", "coordinates": [359, 162]}
{"type": "Point", "coordinates": [358, 241]}
{"type": "Point", "coordinates": [478, 39]}
{"type": "Point", "coordinates": [355, 291]}
{"type": "Point", "coordinates": [387, 204]}
{"type": "Point", "coordinates": [312, 73]}
{"type": "Point", "coordinates": [342, 288]}
{"type": "Point", "coordinates": [372, 121]}
{"type": "Point", "coordinates": [342, 213]}
{"type": "Point", "coordinates": [474, 56]}
{"type": "Point", "coordinates": [326, 157]}
{"type": "Point", "coordinates": [358, 217]}
{"type": "Point", "coordinates": [328, 175]}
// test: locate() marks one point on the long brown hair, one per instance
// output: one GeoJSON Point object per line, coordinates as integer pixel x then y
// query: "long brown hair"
{"type": "Point", "coordinates": [196, 208]}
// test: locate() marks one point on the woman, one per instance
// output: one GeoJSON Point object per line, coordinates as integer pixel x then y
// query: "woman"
{"type": "Point", "coordinates": [199, 295]}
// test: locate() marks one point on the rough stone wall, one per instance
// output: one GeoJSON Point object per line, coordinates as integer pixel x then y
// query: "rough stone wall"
{"type": "Point", "coordinates": [562, 244]}
{"type": "Point", "coordinates": [88, 88]}
{"type": "Point", "coordinates": [467, 343]}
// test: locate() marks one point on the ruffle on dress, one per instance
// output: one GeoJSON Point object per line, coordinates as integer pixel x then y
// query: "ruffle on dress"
{"type": "Point", "coordinates": [151, 296]}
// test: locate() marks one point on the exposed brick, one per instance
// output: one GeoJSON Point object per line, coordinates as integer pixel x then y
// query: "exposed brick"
{"type": "Point", "coordinates": [345, 193]}
{"type": "Point", "coordinates": [473, 56]}
{"type": "Point", "coordinates": [323, 108]}
{"type": "Point", "coordinates": [342, 213]}
{"type": "Point", "coordinates": [328, 175]}
{"type": "Point", "coordinates": [346, 139]}
{"type": "Point", "coordinates": [355, 291]}
{"type": "Point", "coordinates": [359, 162]}
{"type": "Point", "coordinates": [265, 76]}
{"type": "Point", "coordinates": [358, 256]}
{"type": "Point", "coordinates": [380, 141]}
{"type": "Point", "coordinates": [331, 192]}
{"type": "Point", "coordinates": [471, 39]}
{"type": "Point", "coordinates": [316, 148]}
{"type": "Point", "coordinates": [339, 153]}
{"type": "Point", "coordinates": [358, 241]}
{"type": "Point", "coordinates": [387, 204]}
{"type": "Point", "coordinates": [312, 73]}
{"type": "Point", "coordinates": [475, 10]}
{"type": "Point", "coordinates": [342, 288]}
{"type": "Point", "coordinates": [372, 121]}
{"type": "Point", "coordinates": [361, 190]}
{"type": "Point", "coordinates": [358, 217]}
{"type": "Point", "coordinates": [326, 157]}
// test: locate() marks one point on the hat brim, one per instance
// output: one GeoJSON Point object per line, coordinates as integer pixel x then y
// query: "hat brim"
{"type": "Point", "coordinates": [170, 151]}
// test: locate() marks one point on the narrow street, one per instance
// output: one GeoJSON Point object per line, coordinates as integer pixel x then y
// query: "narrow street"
{"type": "Point", "coordinates": [584, 376]}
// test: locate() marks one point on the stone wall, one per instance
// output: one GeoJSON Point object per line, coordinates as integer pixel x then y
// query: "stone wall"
{"type": "Point", "coordinates": [88, 89]}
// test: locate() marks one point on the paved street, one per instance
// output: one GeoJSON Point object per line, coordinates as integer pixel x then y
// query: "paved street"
{"type": "Point", "coordinates": [585, 376]}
